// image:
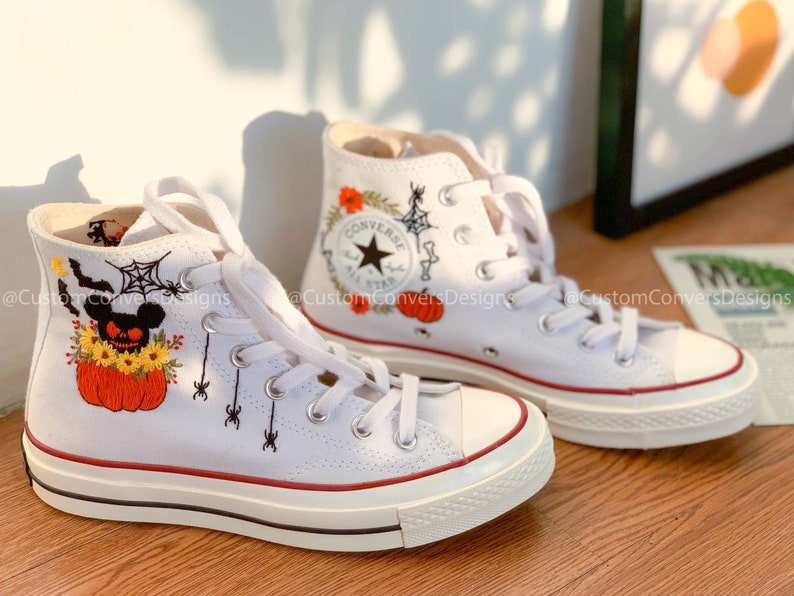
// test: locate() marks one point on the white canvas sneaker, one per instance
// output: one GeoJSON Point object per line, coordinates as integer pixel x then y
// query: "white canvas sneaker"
{"type": "Point", "coordinates": [173, 381]}
{"type": "Point", "coordinates": [446, 266]}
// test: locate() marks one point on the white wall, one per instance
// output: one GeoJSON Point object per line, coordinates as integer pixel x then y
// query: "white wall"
{"type": "Point", "coordinates": [233, 95]}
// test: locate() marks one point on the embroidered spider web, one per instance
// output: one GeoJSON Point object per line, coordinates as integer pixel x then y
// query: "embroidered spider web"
{"type": "Point", "coordinates": [144, 277]}
{"type": "Point", "coordinates": [416, 220]}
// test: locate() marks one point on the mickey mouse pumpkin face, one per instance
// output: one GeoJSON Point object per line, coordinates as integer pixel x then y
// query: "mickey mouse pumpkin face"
{"type": "Point", "coordinates": [125, 332]}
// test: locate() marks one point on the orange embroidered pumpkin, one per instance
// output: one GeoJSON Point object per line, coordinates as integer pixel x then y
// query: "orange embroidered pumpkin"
{"type": "Point", "coordinates": [419, 305]}
{"type": "Point", "coordinates": [114, 390]}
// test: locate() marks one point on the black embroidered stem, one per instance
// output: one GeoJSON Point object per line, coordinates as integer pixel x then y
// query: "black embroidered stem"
{"type": "Point", "coordinates": [270, 436]}
{"type": "Point", "coordinates": [233, 410]}
{"type": "Point", "coordinates": [201, 386]}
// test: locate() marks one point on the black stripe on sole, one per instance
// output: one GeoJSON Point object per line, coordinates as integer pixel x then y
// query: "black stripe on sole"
{"type": "Point", "coordinates": [211, 511]}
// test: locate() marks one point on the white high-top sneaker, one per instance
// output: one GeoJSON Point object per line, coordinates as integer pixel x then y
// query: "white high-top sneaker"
{"type": "Point", "coordinates": [172, 381]}
{"type": "Point", "coordinates": [445, 266]}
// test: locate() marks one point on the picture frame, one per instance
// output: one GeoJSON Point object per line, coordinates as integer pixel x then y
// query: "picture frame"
{"type": "Point", "coordinates": [617, 211]}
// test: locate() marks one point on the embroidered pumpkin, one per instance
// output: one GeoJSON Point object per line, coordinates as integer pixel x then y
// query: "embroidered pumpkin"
{"type": "Point", "coordinates": [420, 305]}
{"type": "Point", "coordinates": [114, 390]}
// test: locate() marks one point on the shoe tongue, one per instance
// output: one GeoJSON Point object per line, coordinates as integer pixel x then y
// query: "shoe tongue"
{"type": "Point", "coordinates": [145, 228]}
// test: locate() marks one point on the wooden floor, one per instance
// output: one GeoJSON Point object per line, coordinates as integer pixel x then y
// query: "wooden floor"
{"type": "Point", "coordinates": [714, 518]}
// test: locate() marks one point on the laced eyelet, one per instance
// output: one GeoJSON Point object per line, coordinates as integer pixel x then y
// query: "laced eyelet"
{"type": "Point", "coordinates": [422, 333]}
{"type": "Point", "coordinates": [545, 328]}
{"type": "Point", "coordinates": [584, 346]}
{"type": "Point", "coordinates": [510, 303]}
{"type": "Point", "coordinates": [459, 234]}
{"type": "Point", "coordinates": [314, 417]}
{"type": "Point", "coordinates": [360, 434]}
{"type": "Point", "coordinates": [234, 356]}
{"type": "Point", "coordinates": [444, 198]}
{"type": "Point", "coordinates": [624, 363]}
{"type": "Point", "coordinates": [183, 282]}
{"type": "Point", "coordinates": [490, 351]}
{"type": "Point", "coordinates": [482, 271]}
{"type": "Point", "coordinates": [406, 446]}
{"type": "Point", "coordinates": [271, 391]}
{"type": "Point", "coordinates": [205, 321]}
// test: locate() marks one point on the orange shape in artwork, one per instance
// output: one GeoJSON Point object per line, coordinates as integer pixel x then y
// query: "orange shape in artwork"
{"type": "Point", "coordinates": [740, 50]}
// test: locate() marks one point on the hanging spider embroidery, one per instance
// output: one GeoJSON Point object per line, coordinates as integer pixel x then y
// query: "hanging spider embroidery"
{"type": "Point", "coordinates": [416, 220]}
{"type": "Point", "coordinates": [232, 409]}
{"type": "Point", "coordinates": [144, 277]}
{"type": "Point", "coordinates": [270, 436]}
{"type": "Point", "coordinates": [201, 386]}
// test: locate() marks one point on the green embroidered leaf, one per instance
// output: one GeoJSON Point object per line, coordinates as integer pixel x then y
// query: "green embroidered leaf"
{"type": "Point", "coordinates": [382, 309]}
{"type": "Point", "coordinates": [376, 200]}
{"type": "Point", "coordinates": [333, 216]}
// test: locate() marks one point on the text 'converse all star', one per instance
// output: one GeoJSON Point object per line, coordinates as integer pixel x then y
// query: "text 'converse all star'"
{"type": "Point", "coordinates": [429, 256]}
{"type": "Point", "coordinates": [172, 381]}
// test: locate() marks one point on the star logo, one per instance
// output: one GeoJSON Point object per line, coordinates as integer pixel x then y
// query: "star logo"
{"type": "Point", "coordinates": [372, 255]}
{"type": "Point", "coordinates": [372, 252]}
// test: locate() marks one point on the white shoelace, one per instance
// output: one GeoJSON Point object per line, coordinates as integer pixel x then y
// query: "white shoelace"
{"type": "Point", "coordinates": [529, 248]}
{"type": "Point", "coordinates": [284, 331]}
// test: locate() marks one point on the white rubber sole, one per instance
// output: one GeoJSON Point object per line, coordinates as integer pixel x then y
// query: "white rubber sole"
{"type": "Point", "coordinates": [405, 514]}
{"type": "Point", "coordinates": [650, 420]}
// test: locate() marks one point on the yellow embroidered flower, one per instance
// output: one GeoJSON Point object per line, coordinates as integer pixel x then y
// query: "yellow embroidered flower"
{"type": "Point", "coordinates": [103, 354]}
{"type": "Point", "coordinates": [88, 339]}
{"type": "Point", "coordinates": [127, 363]}
{"type": "Point", "coordinates": [153, 356]}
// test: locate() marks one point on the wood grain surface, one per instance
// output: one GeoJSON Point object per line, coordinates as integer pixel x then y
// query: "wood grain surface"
{"type": "Point", "coordinates": [713, 518]}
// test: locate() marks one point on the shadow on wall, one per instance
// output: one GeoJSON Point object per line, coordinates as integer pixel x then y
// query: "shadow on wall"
{"type": "Point", "coordinates": [282, 154]}
{"type": "Point", "coordinates": [518, 73]}
{"type": "Point", "coordinates": [19, 276]}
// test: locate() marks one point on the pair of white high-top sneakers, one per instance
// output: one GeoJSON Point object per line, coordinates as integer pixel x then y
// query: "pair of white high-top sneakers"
{"type": "Point", "coordinates": [173, 381]}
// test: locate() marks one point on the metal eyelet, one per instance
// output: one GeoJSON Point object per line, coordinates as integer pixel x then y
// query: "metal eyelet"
{"type": "Point", "coordinates": [460, 234]}
{"type": "Point", "coordinates": [482, 271]}
{"type": "Point", "coordinates": [444, 198]}
{"type": "Point", "coordinates": [490, 351]}
{"type": "Point", "coordinates": [406, 446]}
{"type": "Point", "coordinates": [510, 303]}
{"type": "Point", "coordinates": [544, 326]}
{"type": "Point", "coordinates": [360, 434]}
{"type": "Point", "coordinates": [422, 333]}
{"type": "Point", "coordinates": [234, 356]}
{"type": "Point", "coordinates": [314, 417]}
{"type": "Point", "coordinates": [584, 346]}
{"type": "Point", "coordinates": [271, 391]}
{"type": "Point", "coordinates": [183, 283]}
{"type": "Point", "coordinates": [624, 363]}
{"type": "Point", "coordinates": [205, 321]}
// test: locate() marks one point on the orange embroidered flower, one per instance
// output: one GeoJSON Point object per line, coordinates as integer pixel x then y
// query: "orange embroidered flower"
{"type": "Point", "coordinates": [350, 199]}
{"type": "Point", "coordinates": [359, 304]}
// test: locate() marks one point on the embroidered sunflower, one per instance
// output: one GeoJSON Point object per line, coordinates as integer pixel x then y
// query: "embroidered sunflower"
{"type": "Point", "coordinates": [153, 356]}
{"type": "Point", "coordinates": [88, 339]}
{"type": "Point", "coordinates": [359, 304]}
{"type": "Point", "coordinates": [350, 199]}
{"type": "Point", "coordinates": [127, 363]}
{"type": "Point", "coordinates": [103, 354]}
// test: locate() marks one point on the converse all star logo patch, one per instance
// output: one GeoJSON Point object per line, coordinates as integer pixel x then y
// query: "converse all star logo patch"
{"type": "Point", "coordinates": [372, 253]}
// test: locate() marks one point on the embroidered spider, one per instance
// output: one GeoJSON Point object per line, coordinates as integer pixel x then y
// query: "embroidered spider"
{"type": "Point", "coordinates": [234, 415]}
{"type": "Point", "coordinates": [201, 389]}
{"type": "Point", "coordinates": [270, 436]}
{"type": "Point", "coordinates": [270, 440]}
